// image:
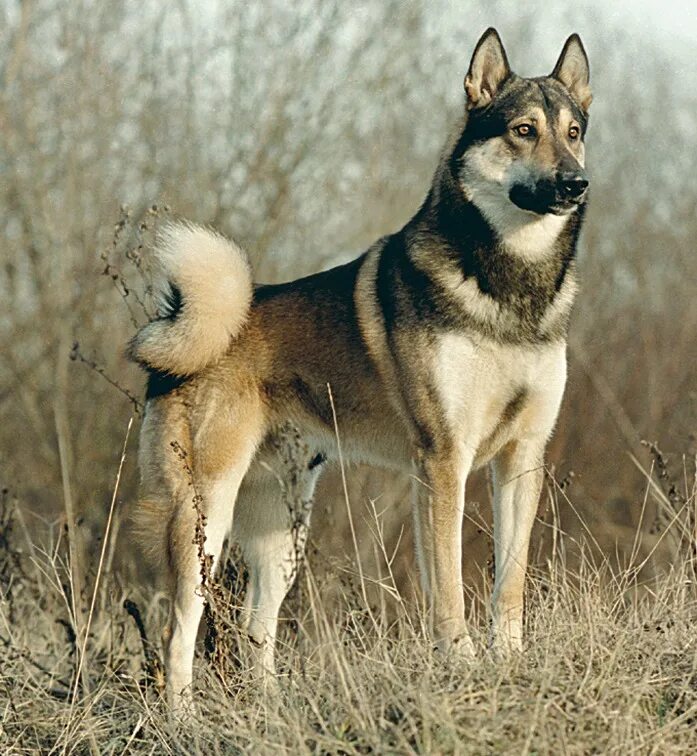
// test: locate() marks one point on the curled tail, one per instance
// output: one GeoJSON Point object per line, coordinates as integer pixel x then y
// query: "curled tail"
{"type": "Point", "coordinates": [202, 286]}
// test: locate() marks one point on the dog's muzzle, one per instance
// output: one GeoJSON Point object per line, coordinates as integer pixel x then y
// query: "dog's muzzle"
{"type": "Point", "coordinates": [558, 194]}
{"type": "Point", "coordinates": [571, 187]}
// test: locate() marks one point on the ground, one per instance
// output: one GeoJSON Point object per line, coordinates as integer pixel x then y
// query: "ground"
{"type": "Point", "coordinates": [610, 666]}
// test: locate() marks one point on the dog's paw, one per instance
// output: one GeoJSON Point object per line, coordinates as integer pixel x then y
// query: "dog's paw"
{"type": "Point", "coordinates": [181, 706]}
{"type": "Point", "coordinates": [460, 647]}
{"type": "Point", "coordinates": [503, 647]}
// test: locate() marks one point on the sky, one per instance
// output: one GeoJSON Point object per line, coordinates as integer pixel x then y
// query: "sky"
{"type": "Point", "coordinates": [669, 19]}
{"type": "Point", "coordinates": [666, 18]}
{"type": "Point", "coordinates": [669, 26]}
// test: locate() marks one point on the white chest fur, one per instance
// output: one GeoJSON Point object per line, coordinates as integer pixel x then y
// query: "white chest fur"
{"type": "Point", "coordinates": [477, 380]}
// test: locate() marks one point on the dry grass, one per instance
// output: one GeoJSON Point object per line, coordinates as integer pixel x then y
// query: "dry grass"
{"type": "Point", "coordinates": [610, 665]}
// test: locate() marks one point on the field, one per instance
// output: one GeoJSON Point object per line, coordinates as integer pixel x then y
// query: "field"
{"type": "Point", "coordinates": [610, 664]}
{"type": "Point", "coordinates": [305, 131]}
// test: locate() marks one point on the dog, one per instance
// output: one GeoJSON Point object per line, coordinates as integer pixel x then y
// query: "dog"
{"type": "Point", "coordinates": [439, 350]}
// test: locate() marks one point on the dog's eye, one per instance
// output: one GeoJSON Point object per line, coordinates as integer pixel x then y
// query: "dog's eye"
{"type": "Point", "coordinates": [525, 130]}
{"type": "Point", "coordinates": [574, 133]}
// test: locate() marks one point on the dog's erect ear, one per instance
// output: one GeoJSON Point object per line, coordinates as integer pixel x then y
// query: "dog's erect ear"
{"type": "Point", "coordinates": [573, 71]}
{"type": "Point", "coordinates": [488, 70]}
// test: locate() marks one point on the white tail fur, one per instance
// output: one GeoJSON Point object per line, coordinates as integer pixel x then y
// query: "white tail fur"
{"type": "Point", "coordinates": [214, 281]}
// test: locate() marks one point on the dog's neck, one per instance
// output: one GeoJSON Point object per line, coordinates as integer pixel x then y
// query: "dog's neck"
{"type": "Point", "coordinates": [520, 243]}
{"type": "Point", "coordinates": [531, 297]}
{"type": "Point", "coordinates": [520, 233]}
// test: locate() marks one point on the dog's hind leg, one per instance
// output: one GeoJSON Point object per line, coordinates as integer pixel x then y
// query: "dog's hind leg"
{"type": "Point", "coordinates": [215, 488]}
{"type": "Point", "coordinates": [271, 524]}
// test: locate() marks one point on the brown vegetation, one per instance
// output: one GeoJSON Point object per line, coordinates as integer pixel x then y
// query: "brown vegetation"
{"type": "Point", "coordinates": [305, 134]}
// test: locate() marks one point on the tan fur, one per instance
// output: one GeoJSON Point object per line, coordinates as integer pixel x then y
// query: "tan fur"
{"type": "Point", "coordinates": [163, 479]}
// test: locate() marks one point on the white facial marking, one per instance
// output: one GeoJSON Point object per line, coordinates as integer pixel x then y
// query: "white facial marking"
{"type": "Point", "coordinates": [530, 239]}
{"type": "Point", "coordinates": [488, 177]}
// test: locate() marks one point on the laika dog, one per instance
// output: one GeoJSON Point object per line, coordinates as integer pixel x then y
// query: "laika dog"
{"type": "Point", "coordinates": [444, 346]}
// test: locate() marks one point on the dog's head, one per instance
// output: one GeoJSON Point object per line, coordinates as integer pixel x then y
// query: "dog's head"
{"type": "Point", "coordinates": [522, 149]}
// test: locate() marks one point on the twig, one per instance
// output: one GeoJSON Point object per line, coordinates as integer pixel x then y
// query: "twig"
{"type": "Point", "coordinates": [76, 355]}
{"type": "Point", "coordinates": [346, 498]}
{"type": "Point", "coordinates": [83, 650]}
{"type": "Point", "coordinates": [26, 656]}
{"type": "Point", "coordinates": [105, 541]}
{"type": "Point", "coordinates": [62, 434]}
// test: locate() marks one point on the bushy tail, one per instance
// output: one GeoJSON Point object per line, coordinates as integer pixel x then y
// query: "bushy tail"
{"type": "Point", "coordinates": [202, 286]}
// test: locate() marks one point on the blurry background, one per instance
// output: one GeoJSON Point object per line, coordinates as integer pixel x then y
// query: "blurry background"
{"type": "Point", "coordinates": [305, 131]}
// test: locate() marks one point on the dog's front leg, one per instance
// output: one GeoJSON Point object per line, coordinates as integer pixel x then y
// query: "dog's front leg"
{"type": "Point", "coordinates": [438, 510]}
{"type": "Point", "coordinates": [518, 476]}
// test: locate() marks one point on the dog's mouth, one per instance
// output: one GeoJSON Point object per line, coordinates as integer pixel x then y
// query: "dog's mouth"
{"type": "Point", "coordinates": [546, 197]}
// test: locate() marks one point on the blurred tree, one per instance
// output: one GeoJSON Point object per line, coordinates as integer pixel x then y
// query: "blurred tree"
{"type": "Point", "coordinates": [305, 131]}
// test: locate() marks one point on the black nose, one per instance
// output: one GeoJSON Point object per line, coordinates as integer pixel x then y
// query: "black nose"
{"type": "Point", "coordinates": [571, 186]}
